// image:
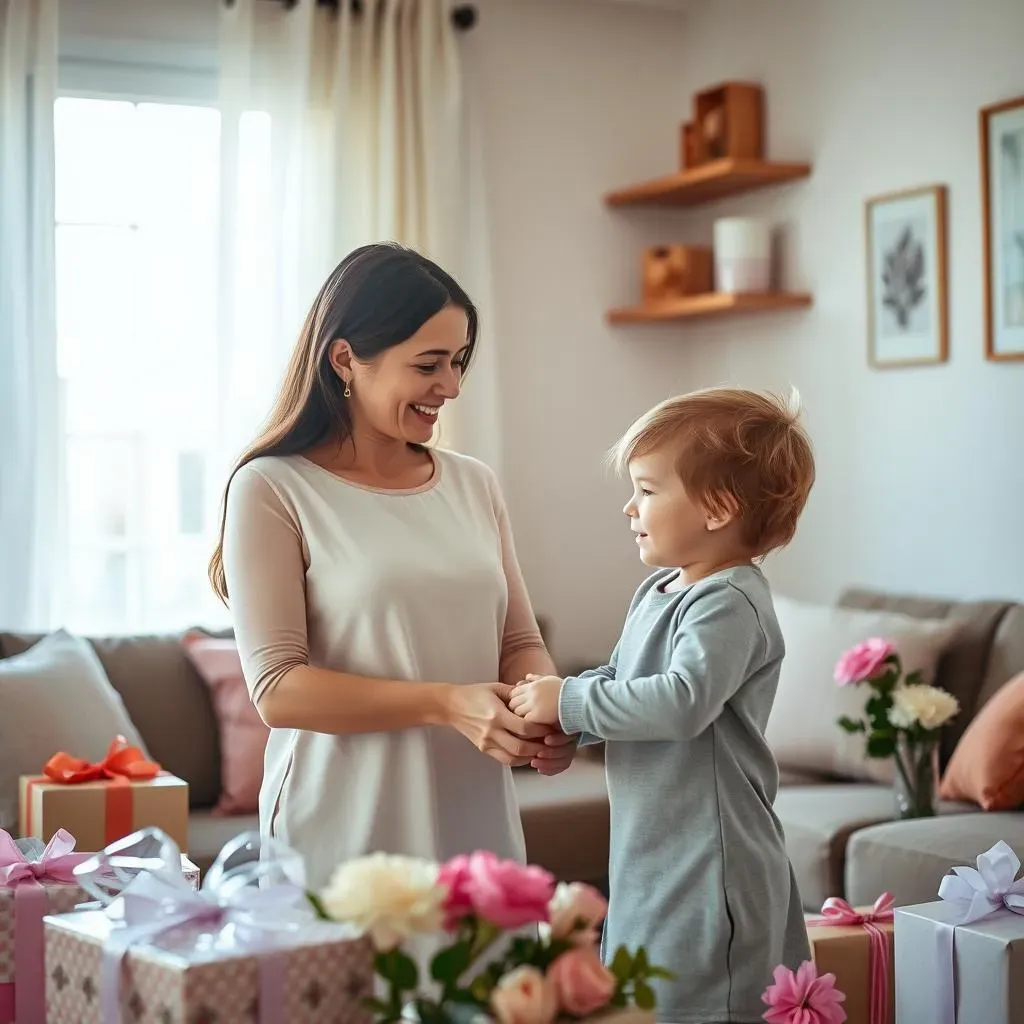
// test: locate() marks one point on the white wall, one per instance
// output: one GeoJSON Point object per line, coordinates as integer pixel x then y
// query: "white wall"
{"type": "Point", "coordinates": [921, 474]}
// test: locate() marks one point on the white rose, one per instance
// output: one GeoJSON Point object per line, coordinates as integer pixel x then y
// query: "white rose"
{"type": "Point", "coordinates": [524, 996]}
{"type": "Point", "coordinates": [927, 706]}
{"type": "Point", "coordinates": [576, 910]}
{"type": "Point", "coordinates": [387, 896]}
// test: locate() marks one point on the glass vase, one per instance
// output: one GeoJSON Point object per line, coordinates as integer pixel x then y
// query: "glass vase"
{"type": "Point", "coordinates": [916, 777]}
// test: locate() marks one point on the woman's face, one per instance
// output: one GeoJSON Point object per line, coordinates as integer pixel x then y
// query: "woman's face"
{"type": "Point", "coordinates": [400, 394]}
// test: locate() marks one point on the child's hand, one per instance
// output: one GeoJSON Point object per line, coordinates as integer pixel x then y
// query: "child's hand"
{"type": "Point", "coordinates": [536, 699]}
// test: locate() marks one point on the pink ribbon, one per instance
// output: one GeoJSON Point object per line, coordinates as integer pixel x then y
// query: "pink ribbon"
{"type": "Point", "coordinates": [837, 912]}
{"type": "Point", "coordinates": [26, 878]}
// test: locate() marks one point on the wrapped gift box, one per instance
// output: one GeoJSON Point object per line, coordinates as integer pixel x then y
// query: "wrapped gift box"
{"type": "Point", "coordinates": [55, 898]}
{"type": "Point", "coordinates": [841, 943]}
{"type": "Point", "coordinates": [979, 981]}
{"type": "Point", "coordinates": [189, 974]}
{"type": "Point", "coordinates": [101, 811]}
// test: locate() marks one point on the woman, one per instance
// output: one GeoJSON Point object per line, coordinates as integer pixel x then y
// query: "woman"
{"type": "Point", "coordinates": [379, 611]}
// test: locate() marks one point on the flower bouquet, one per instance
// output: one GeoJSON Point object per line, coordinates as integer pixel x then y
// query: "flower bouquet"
{"type": "Point", "coordinates": [803, 997]}
{"type": "Point", "coordinates": [902, 719]}
{"type": "Point", "coordinates": [515, 948]}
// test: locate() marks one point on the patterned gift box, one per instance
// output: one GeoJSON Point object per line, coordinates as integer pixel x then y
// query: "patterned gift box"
{"type": "Point", "coordinates": [190, 976]}
{"type": "Point", "coordinates": [246, 947]}
{"type": "Point", "coordinates": [24, 866]}
{"type": "Point", "coordinates": [856, 945]}
{"type": "Point", "coordinates": [103, 801]}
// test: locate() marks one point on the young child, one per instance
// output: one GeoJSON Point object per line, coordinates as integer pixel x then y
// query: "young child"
{"type": "Point", "coordinates": [698, 868]}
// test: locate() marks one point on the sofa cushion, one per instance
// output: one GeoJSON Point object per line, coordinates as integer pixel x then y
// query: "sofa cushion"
{"type": "Point", "coordinates": [970, 655]}
{"type": "Point", "coordinates": [1006, 658]}
{"type": "Point", "coordinates": [54, 696]}
{"type": "Point", "coordinates": [909, 858]}
{"type": "Point", "coordinates": [987, 767]}
{"type": "Point", "coordinates": [802, 729]}
{"type": "Point", "coordinates": [818, 821]}
{"type": "Point", "coordinates": [208, 831]}
{"type": "Point", "coordinates": [243, 734]}
{"type": "Point", "coordinates": [167, 701]}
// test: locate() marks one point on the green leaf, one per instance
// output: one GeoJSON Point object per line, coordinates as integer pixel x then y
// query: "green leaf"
{"type": "Point", "coordinates": [913, 678]}
{"type": "Point", "coordinates": [377, 1005]}
{"type": "Point", "coordinates": [622, 964]}
{"type": "Point", "coordinates": [318, 908]}
{"type": "Point", "coordinates": [640, 964]}
{"type": "Point", "coordinates": [850, 724]}
{"type": "Point", "coordinates": [880, 746]}
{"type": "Point", "coordinates": [660, 972]}
{"type": "Point", "coordinates": [450, 962]}
{"type": "Point", "coordinates": [643, 994]}
{"type": "Point", "coordinates": [397, 967]}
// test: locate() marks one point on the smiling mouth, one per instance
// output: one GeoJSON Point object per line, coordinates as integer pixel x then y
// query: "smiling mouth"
{"type": "Point", "coordinates": [426, 412]}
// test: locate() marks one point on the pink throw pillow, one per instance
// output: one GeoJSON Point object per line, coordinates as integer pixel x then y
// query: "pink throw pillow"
{"type": "Point", "coordinates": [243, 734]}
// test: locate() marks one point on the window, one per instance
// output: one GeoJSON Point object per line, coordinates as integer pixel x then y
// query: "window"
{"type": "Point", "coordinates": [137, 243]}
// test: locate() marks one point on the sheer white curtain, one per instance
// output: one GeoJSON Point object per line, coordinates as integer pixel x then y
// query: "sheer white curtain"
{"type": "Point", "coordinates": [339, 129]}
{"type": "Point", "coordinates": [29, 417]}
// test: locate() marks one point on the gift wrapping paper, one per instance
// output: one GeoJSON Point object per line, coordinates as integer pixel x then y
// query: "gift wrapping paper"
{"type": "Point", "coordinates": [189, 976]}
{"type": "Point", "coordinates": [102, 811]}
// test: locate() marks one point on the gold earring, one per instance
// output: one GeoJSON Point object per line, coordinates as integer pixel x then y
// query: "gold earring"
{"type": "Point", "coordinates": [348, 389]}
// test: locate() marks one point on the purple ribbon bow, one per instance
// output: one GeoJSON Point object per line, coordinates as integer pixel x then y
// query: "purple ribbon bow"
{"type": "Point", "coordinates": [974, 894]}
{"type": "Point", "coordinates": [256, 885]}
{"type": "Point", "coordinates": [26, 876]}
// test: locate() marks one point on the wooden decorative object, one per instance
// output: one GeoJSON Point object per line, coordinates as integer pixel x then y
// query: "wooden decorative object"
{"type": "Point", "coordinates": [674, 271]}
{"type": "Point", "coordinates": [691, 151]}
{"type": "Point", "coordinates": [1001, 127]}
{"type": "Point", "coordinates": [729, 120]}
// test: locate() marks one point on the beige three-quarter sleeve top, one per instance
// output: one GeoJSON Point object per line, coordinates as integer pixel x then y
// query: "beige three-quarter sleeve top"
{"type": "Point", "coordinates": [418, 584]}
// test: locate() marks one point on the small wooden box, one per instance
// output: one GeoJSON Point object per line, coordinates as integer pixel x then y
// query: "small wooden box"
{"type": "Point", "coordinates": [672, 271]}
{"type": "Point", "coordinates": [729, 122]}
{"type": "Point", "coordinates": [691, 151]}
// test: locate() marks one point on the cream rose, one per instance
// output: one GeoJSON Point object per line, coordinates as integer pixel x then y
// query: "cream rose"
{"type": "Point", "coordinates": [927, 706]}
{"type": "Point", "coordinates": [386, 896]}
{"type": "Point", "coordinates": [524, 996]}
{"type": "Point", "coordinates": [576, 911]}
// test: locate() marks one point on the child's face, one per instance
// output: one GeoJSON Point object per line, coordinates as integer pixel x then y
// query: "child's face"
{"type": "Point", "coordinates": [671, 529]}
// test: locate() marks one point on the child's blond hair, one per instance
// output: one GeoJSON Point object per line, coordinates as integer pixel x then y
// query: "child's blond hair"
{"type": "Point", "coordinates": [736, 451]}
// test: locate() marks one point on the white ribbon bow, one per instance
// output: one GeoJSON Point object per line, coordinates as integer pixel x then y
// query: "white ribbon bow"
{"type": "Point", "coordinates": [993, 886]}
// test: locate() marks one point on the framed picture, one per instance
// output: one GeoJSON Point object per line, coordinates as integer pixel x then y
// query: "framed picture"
{"type": "Point", "coordinates": [1002, 191]}
{"type": "Point", "coordinates": [906, 263]}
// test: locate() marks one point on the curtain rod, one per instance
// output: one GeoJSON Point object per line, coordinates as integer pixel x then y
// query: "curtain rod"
{"type": "Point", "coordinates": [463, 15]}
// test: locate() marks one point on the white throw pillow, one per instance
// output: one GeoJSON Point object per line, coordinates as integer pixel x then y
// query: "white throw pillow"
{"type": "Point", "coordinates": [802, 729]}
{"type": "Point", "coordinates": [54, 696]}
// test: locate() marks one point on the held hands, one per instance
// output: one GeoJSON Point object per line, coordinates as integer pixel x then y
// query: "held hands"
{"type": "Point", "coordinates": [535, 699]}
{"type": "Point", "coordinates": [480, 713]}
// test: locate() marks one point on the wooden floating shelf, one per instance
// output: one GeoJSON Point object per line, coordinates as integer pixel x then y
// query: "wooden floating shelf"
{"type": "Point", "coordinates": [709, 182]}
{"type": "Point", "coordinates": [710, 305]}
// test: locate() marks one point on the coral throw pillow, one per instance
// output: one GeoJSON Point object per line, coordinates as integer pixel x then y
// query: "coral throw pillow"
{"type": "Point", "coordinates": [243, 734]}
{"type": "Point", "coordinates": [987, 766]}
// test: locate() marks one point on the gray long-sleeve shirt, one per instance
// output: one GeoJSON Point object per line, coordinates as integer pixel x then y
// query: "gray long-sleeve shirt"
{"type": "Point", "coordinates": [698, 868]}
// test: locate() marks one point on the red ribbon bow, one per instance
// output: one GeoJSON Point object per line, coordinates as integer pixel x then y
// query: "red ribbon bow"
{"type": "Point", "coordinates": [837, 912]}
{"type": "Point", "coordinates": [122, 761]}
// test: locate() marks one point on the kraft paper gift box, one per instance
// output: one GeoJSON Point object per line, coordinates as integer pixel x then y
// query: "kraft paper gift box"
{"type": "Point", "coordinates": [246, 949]}
{"type": "Point", "coordinates": [856, 945]}
{"type": "Point", "coordinates": [36, 881]}
{"type": "Point", "coordinates": [960, 960]}
{"type": "Point", "coordinates": [103, 801]}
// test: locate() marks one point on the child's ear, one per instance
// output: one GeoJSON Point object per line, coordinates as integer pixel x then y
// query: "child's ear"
{"type": "Point", "coordinates": [726, 511]}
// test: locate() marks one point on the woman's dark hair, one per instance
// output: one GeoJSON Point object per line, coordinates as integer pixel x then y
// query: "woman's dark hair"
{"type": "Point", "coordinates": [377, 297]}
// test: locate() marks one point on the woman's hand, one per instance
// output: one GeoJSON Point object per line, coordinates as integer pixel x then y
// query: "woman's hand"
{"type": "Point", "coordinates": [478, 711]}
{"type": "Point", "coordinates": [559, 750]}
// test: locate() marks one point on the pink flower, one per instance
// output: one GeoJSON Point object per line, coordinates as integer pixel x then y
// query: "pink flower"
{"type": "Point", "coordinates": [803, 998]}
{"type": "Point", "coordinates": [505, 893]}
{"type": "Point", "coordinates": [583, 984]}
{"type": "Point", "coordinates": [576, 911]}
{"type": "Point", "coordinates": [524, 996]}
{"type": "Point", "coordinates": [865, 661]}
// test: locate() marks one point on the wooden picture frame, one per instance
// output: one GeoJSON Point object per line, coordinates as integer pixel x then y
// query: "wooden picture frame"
{"type": "Point", "coordinates": [1001, 137]}
{"type": "Point", "coordinates": [907, 293]}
